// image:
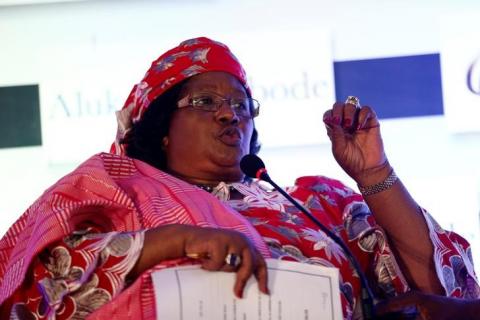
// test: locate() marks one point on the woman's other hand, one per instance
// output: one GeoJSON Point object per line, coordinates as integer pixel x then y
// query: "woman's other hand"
{"type": "Point", "coordinates": [356, 142]}
{"type": "Point", "coordinates": [210, 245]}
{"type": "Point", "coordinates": [215, 244]}
{"type": "Point", "coordinates": [432, 307]}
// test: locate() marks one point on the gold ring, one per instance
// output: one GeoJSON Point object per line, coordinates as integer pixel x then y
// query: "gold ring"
{"type": "Point", "coordinates": [202, 255]}
{"type": "Point", "coordinates": [353, 101]}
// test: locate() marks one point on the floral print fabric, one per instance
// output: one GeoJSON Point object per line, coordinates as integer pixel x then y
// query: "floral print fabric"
{"type": "Point", "coordinates": [292, 236]}
{"type": "Point", "coordinates": [88, 268]}
{"type": "Point", "coordinates": [77, 275]}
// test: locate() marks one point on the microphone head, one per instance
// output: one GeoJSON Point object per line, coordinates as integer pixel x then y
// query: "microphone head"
{"type": "Point", "coordinates": [251, 164]}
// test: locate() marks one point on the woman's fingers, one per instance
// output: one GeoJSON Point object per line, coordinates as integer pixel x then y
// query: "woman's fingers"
{"type": "Point", "coordinates": [341, 115]}
{"type": "Point", "coordinates": [367, 119]}
{"type": "Point", "coordinates": [429, 306]}
{"type": "Point", "coordinates": [350, 118]}
{"type": "Point", "coordinates": [261, 274]}
{"type": "Point", "coordinates": [216, 257]}
{"type": "Point", "coordinates": [399, 303]}
{"type": "Point", "coordinates": [244, 273]}
{"type": "Point", "coordinates": [336, 114]}
{"type": "Point", "coordinates": [230, 251]}
{"type": "Point", "coordinates": [253, 263]}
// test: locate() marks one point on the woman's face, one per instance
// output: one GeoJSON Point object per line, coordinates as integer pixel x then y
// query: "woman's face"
{"type": "Point", "coordinates": [206, 147]}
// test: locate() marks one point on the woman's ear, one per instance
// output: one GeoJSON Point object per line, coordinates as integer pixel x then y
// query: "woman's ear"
{"type": "Point", "coordinates": [164, 143]}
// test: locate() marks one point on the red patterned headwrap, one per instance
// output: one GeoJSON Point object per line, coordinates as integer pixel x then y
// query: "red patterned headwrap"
{"type": "Point", "coordinates": [191, 57]}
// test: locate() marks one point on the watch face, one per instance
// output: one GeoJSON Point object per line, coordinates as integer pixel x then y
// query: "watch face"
{"type": "Point", "coordinates": [20, 124]}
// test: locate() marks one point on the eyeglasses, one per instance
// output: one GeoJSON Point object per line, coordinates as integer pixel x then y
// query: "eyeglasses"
{"type": "Point", "coordinates": [243, 107]}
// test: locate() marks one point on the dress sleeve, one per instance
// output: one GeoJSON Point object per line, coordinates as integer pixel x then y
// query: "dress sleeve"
{"type": "Point", "coordinates": [453, 261]}
{"type": "Point", "coordinates": [369, 244]}
{"type": "Point", "coordinates": [452, 255]}
{"type": "Point", "coordinates": [76, 275]}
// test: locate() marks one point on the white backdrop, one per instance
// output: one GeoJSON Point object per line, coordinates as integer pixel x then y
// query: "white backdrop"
{"type": "Point", "coordinates": [78, 44]}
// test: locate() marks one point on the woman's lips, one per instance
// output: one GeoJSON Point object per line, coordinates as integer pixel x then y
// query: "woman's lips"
{"type": "Point", "coordinates": [231, 136]}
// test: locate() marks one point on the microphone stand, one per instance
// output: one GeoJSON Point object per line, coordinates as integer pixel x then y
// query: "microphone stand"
{"type": "Point", "coordinates": [254, 167]}
{"type": "Point", "coordinates": [367, 296]}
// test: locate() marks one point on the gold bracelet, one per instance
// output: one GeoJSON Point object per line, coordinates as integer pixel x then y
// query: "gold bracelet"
{"type": "Point", "coordinates": [379, 187]}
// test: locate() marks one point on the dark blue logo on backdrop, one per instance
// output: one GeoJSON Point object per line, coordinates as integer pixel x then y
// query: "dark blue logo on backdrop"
{"type": "Point", "coordinates": [473, 76]}
{"type": "Point", "coordinates": [398, 87]}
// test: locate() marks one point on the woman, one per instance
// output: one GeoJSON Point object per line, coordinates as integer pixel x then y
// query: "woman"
{"type": "Point", "coordinates": [171, 192]}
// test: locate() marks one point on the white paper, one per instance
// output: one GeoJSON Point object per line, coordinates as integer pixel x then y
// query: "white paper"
{"type": "Point", "coordinates": [298, 291]}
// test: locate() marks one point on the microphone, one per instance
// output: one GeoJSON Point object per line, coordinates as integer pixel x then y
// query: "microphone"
{"type": "Point", "coordinates": [253, 167]}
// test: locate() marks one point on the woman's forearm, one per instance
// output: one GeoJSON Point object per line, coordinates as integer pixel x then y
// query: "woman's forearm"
{"type": "Point", "coordinates": [401, 218]}
{"type": "Point", "coordinates": [212, 245]}
{"type": "Point", "coordinates": [161, 243]}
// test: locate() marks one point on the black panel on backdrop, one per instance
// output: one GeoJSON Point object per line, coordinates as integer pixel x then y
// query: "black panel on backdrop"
{"type": "Point", "coordinates": [397, 87]}
{"type": "Point", "coordinates": [20, 116]}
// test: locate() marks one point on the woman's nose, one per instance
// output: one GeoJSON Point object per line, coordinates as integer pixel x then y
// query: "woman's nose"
{"type": "Point", "coordinates": [226, 114]}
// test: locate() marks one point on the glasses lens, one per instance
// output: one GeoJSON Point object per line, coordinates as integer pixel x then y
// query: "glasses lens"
{"type": "Point", "coordinates": [205, 102]}
{"type": "Point", "coordinates": [244, 107]}
{"type": "Point", "coordinates": [241, 106]}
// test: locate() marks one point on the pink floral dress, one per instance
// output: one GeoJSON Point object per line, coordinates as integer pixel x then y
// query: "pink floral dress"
{"type": "Point", "coordinates": [75, 276]}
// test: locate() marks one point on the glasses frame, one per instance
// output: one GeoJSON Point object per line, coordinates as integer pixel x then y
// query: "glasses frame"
{"type": "Point", "coordinates": [188, 101]}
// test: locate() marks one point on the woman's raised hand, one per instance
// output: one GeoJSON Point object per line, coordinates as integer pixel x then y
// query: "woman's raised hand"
{"type": "Point", "coordinates": [211, 246]}
{"type": "Point", "coordinates": [356, 141]}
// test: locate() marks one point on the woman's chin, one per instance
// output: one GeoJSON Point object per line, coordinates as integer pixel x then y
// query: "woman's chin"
{"type": "Point", "coordinates": [228, 167]}
{"type": "Point", "coordinates": [228, 159]}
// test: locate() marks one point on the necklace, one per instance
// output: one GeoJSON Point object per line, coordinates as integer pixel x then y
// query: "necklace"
{"type": "Point", "coordinates": [210, 189]}
{"type": "Point", "coordinates": [222, 191]}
